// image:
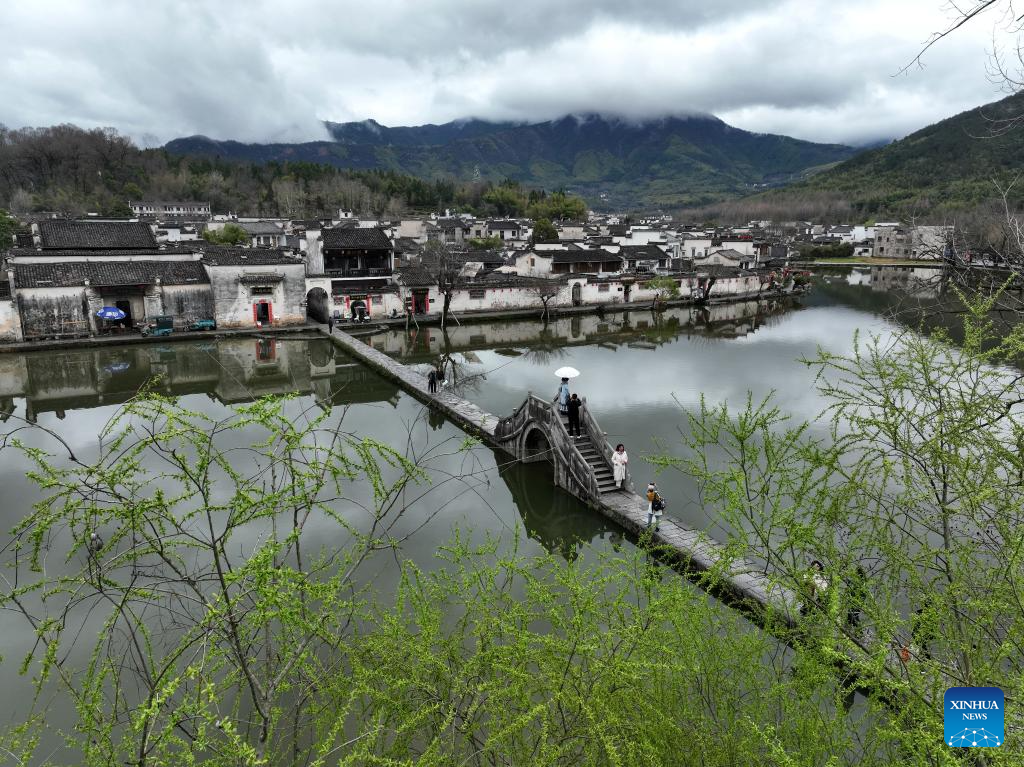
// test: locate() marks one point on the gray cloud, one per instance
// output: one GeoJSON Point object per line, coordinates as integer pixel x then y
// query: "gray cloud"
{"type": "Point", "coordinates": [266, 71]}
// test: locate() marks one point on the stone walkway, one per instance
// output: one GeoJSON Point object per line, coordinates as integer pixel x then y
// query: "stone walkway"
{"type": "Point", "coordinates": [741, 585]}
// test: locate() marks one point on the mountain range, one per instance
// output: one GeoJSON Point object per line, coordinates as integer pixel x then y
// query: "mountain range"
{"type": "Point", "coordinates": [611, 162]}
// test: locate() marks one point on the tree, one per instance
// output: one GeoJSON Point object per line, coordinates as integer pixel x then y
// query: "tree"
{"type": "Point", "coordinates": [484, 243]}
{"type": "Point", "coordinates": [228, 635]}
{"type": "Point", "coordinates": [229, 234]}
{"type": "Point", "coordinates": [202, 646]}
{"type": "Point", "coordinates": [666, 288]}
{"type": "Point", "coordinates": [543, 231]}
{"type": "Point", "coordinates": [913, 502]}
{"type": "Point", "coordinates": [544, 289]}
{"type": "Point", "coordinates": [8, 227]}
{"type": "Point", "coordinates": [445, 267]}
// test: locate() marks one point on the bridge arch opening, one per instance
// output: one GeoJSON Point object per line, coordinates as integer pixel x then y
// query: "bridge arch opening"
{"type": "Point", "coordinates": [536, 446]}
{"type": "Point", "coordinates": [316, 304]}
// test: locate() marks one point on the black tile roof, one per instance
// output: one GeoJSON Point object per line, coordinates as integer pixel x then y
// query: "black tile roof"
{"type": "Point", "coordinates": [580, 256]}
{"type": "Point", "coordinates": [95, 235]}
{"type": "Point", "coordinates": [642, 251]}
{"type": "Point", "coordinates": [108, 273]}
{"type": "Point", "coordinates": [247, 256]}
{"type": "Point", "coordinates": [415, 274]}
{"type": "Point", "coordinates": [170, 250]}
{"type": "Point", "coordinates": [362, 239]}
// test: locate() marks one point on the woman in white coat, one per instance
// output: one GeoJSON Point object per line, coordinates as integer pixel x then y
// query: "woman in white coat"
{"type": "Point", "coordinates": [619, 461]}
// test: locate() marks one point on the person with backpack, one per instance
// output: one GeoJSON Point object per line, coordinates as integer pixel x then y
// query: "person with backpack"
{"type": "Point", "coordinates": [655, 506]}
{"type": "Point", "coordinates": [575, 403]}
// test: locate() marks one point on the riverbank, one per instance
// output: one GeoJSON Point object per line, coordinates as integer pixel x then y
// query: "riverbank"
{"type": "Point", "coordinates": [375, 325]}
{"type": "Point", "coordinates": [468, 317]}
{"type": "Point", "coordinates": [868, 262]}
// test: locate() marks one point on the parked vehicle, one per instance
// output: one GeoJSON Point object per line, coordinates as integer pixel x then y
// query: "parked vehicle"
{"type": "Point", "coordinates": [160, 326]}
{"type": "Point", "coordinates": [202, 325]}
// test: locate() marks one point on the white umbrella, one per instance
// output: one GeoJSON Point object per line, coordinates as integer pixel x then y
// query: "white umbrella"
{"type": "Point", "coordinates": [567, 372]}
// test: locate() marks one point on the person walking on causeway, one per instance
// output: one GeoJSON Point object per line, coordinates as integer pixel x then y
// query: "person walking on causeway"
{"type": "Point", "coordinates": [619, 461]}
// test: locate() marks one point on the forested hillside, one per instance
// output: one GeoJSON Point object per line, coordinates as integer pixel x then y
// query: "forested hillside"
{"type": "Point", "coordinates": [946, 169]}
{"type": "Point", "coordinates": [74, 171]}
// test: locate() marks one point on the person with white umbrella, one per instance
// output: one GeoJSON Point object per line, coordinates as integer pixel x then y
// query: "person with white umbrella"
{"type": "Point", "coordinates": [563, 388]}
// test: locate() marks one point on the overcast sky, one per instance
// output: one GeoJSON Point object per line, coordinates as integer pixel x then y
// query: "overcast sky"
{"type": "Point", "coordinates": [824, 70]}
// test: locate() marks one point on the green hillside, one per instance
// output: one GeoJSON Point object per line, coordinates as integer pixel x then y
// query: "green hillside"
{"type": "Point", "coordinates": [945, 168]}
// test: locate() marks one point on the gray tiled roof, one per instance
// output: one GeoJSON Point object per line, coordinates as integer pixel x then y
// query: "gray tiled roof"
{"type": "Point", "coordinates": [642, 251]}
{"type": "Point", "coordinates": [364, 239]}
{"type": "Point", "coordinates": [170, 250]}
{"type": "Point", "coordinates": [728, 253]}
{"type": "Point", "coordinates": [596, 255]}
{"type": "Point", "coordinates": [98, 273]}
{"type": "Point", "coordinates": [95, 235]}
{"type": "Point", "coordinates": [243, 256]}
{"type": "Point", "coordinates": [261, 227]}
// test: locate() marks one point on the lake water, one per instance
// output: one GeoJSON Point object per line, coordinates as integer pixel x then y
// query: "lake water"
{"type": "Point", "coordinates": [641, 374]}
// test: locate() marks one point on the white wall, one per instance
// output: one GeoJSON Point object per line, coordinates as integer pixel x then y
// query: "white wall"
{"type": "Point", "coordinates": [533, 264]}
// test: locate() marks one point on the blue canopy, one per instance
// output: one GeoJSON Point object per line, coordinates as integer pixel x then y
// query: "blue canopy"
{"type": "Point", "coordinates": [110, 313]}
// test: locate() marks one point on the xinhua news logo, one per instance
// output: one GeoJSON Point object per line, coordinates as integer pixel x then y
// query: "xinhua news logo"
{"type": "Point", "coordinates": [974, 717]}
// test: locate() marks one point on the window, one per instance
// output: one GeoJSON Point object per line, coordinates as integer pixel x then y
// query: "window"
{"type": "Point", "coordinates": [533, 262]}
{"type": "Point", "coordinates": [477, 293]}
{"type": "Point", "coordinates": [602, 288]}
{"type": "Point", "coordinates": [376, 300]}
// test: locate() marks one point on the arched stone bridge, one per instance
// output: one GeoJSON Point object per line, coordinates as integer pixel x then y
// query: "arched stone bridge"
{"type": "Point", "coordinates": [536, 431]}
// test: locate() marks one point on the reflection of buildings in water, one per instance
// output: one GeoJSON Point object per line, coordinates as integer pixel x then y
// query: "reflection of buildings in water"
{"type": "Point", "coordinates": [229, 370]}
{"type": "Point", "coordinates": [915, 281]}
{"type": "Point", "coordinates": [552, 517]}
{"type": "Point", "coordinates": [856, 277]}
{"type": "Point", "coordinates": [727, 320]}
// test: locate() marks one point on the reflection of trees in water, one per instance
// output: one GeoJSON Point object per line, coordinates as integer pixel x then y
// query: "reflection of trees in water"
{"type": "Point", "coordinates": [552, 517]}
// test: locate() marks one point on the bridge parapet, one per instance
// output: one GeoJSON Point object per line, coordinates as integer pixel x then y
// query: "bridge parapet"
{"type": "Point", "coordinates": [535, 432]}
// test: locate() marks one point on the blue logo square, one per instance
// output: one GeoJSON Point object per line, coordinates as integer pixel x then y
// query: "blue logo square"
{"type": "Point", "coordinates": [973, 717]}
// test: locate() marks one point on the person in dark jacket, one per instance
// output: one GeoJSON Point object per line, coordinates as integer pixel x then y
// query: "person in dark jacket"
{"type": "Point", "coordinates": [432, 381]}
{"type": "Point", "coordinates": [575, 403]}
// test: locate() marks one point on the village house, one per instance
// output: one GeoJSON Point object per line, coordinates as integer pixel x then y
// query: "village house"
{"type": "Point", "coordinates": [450, 231]}
{"type": "Point", "coordinates": [256, 287]}
{"type": "Point", "coordinates": [265, 234]}
{"type": "Point", "coordinates": [725, 257]}
{"type": "Point", "coordinates": [161, 210]}
{"type": "Point", "coordinates": [506, 231]}
{"type": "Point", "coordinates": [540, 263]}
{"type": "Point", "coordinates": [170, 231]}
{"type": "Point", "coordinates": [644, 258]}
{"type": "Point", "coordinates": [353, 272]}
{"type": "Point", "coordinates": [78, 267]}
{"type": "Point", "coordinates": [919, 242]}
